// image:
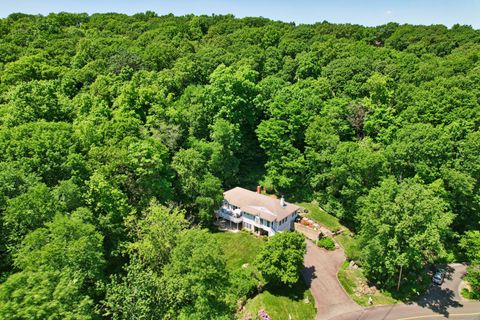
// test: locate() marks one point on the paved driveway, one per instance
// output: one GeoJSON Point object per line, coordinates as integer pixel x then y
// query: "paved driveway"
{"type": "Point", "coordinates": [439, 302]}
{"type": "Point", "coordinates": [321, 267]}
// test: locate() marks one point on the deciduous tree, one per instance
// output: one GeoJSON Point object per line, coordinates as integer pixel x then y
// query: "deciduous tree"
{"type": "Point", "coordinates": [281, 259]}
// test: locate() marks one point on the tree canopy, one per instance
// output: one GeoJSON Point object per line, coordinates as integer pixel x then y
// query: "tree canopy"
{"type": "Point", "coordinates": [118, 135]}
{"type": "Point", "coordinates": [404, 226]}
{"type": "Point", "coordinates": [281, 259]}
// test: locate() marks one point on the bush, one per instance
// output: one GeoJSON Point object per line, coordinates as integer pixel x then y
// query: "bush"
{"type": "Point", "coordinates": [473, 279]}
{"type": "Point", "coordinates": [326, 243]}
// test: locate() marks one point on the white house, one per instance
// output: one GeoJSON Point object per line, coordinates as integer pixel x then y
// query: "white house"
{"type": "Point", "coordinates": [256, 212]}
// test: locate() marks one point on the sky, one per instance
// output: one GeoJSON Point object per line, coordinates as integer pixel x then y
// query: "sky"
{"type": "Point", "coordinates": [366, 12]}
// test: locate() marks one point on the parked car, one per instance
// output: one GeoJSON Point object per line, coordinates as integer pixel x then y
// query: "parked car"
{"type": "Point", "coordinates": [438, 277]}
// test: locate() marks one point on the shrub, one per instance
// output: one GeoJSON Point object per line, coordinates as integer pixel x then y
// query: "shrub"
{"type": "Point", "coordinates": [326, 243]}
{"type": "Point", "coordinates": [473, 279]}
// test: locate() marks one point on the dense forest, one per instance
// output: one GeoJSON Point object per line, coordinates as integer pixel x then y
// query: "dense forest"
{"type": "Point", "coordinates": [118, 135]}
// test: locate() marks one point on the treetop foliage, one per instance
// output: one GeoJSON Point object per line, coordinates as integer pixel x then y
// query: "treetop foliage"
{"type": "Point", "coordinates": [118, 134]}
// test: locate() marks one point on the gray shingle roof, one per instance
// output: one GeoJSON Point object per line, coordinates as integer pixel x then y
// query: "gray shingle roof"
{"type": "Point", "coordinates": [258, 204]}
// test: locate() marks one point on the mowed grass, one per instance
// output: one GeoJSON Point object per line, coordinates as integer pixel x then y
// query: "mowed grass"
{"type": "Point", "coordinates": [243, 247]}
{"type": "Point", "coordinates": [349, 244]}
{"type": "Point", "coordinates": [351, 279]}
{"type": "Point", "coordinates": [284, 303]}
{"type": "Point", "coordinates": [239, 248]}
{"type": "Point", "coordinates": [345, 239]}
{"type": "Point", "coordinates": [320, 216]}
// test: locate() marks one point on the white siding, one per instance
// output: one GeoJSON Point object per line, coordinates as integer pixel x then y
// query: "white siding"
{"type": "Point", "coordinates": [251, 221]}
{"type": "Point", "coordinates": [257, 224]}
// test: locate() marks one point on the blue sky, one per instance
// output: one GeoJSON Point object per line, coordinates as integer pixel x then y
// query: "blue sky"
{"type": "Point", "coordinates": [366, 12]}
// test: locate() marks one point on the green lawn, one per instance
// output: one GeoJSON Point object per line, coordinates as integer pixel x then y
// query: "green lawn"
{"type": "Point", "coordinates": [320, 216]}
{"type": "Point", "coordinates": [239, 248]}
{"type": "Point", "coordinates": [345, 239]}
{"type": "Point", "coordinates": [243, 247]}
{"type": "Point", "coordinates": [280, 303]}
{"type": "Point", "coordinates": [350, 279]}
{"type": "Point", "coordinates": [349, 245]}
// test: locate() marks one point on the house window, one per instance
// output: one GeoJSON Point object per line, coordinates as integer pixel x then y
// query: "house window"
{"type": "Point", "coordinates": [248, 216]}
{"type": "Point", "coordinates": [265, 222]}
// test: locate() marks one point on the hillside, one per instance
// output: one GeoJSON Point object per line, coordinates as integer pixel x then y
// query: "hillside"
{"type": "Point", "coordinates": [118, 135]}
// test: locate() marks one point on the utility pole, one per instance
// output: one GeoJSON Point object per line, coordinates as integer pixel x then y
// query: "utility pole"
{"type": "Point", "coordinates": [399, 278]}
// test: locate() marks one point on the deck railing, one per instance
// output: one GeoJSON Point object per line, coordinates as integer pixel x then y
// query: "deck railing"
{"type": "Point", "coordinates": [229, 215]}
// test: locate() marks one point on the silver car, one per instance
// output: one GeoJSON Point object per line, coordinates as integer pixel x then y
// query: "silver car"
{"type": "Point", "coordinates": [438, 277]}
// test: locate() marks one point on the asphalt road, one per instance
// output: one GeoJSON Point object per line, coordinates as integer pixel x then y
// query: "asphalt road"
{"type": "Point", "coordinates": [439, 302]}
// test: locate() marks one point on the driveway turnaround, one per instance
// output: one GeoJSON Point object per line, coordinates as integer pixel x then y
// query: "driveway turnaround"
{"type": "Point", "coordinates": [320, 273]}
{"type": "Point", "coordinates": [439, 302]}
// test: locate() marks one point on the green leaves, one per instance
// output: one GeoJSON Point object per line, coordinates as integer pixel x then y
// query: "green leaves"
{"type": "Point", "coordinates": [26, 212]}
{"type": "Point", "coordinates": [403, 225]}
{"type": "Point", "coordinates": [59, 264]}
{"type": "Point", "coordinates": [470, 244]}
{"type": "Point", "coordinates": [199, 187]}
{"type": "Point", "coordinates": [45, 294]}
{"type": "Point", "coordinates": [156, 233]}
{"type": "Point", "coordinates": [196, 280]}
{"type": "Point", "coordinates": [35, 100]}
{"type": "Point", "coordinates": [281, 259]}
{"type": "Point", "coordinates": [64, 243]}
{"type": "Point", "coordinates": [122, 125]}
{"type": "Point", "coordinates": [134, 295]}
{"type": "Point", "coordinates": [41, 147]}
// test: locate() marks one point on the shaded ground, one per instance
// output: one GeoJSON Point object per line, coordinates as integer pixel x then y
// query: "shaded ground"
{"type": "Point", "coordinates": [441, 299]}
{"type": "Point", "coordinates": [332, 302]}
{"type": "Point", "coordinates": [320, 273]}
{"type": "Point", "coordinates": [240, 249]}
{"type": "Point", "coordinates": [357, 287]}
{"type": "Point", "coordinates": [439, 302]}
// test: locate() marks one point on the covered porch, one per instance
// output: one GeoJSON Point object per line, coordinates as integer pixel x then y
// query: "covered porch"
{"type": "Point", "coordinates": [228, 220]}
{"type": "Point", "coordinates": [260, 231]}
{"type": "Point", "coordinates": [227, 225]}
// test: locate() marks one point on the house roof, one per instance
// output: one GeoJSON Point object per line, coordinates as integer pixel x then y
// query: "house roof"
{"type": "Point", "coordinates": [258, 204]}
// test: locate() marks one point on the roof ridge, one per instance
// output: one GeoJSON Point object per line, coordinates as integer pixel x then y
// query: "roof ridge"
{"type": "Point", "coordinates": [260, 194]}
